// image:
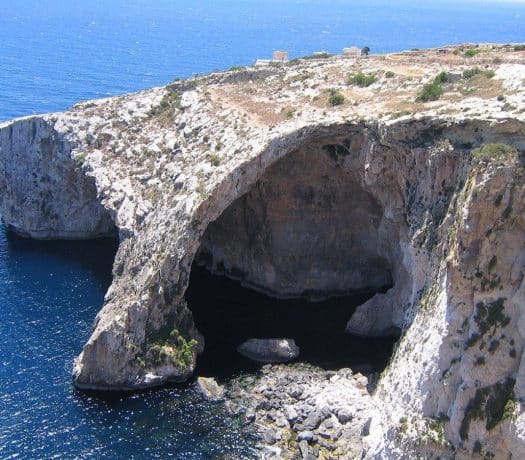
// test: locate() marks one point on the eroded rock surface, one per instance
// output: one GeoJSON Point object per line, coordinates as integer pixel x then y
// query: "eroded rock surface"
{"type": "Point", "coordinates": [379, 190]}
{"type": "Point", "coordinates": [300, 411]}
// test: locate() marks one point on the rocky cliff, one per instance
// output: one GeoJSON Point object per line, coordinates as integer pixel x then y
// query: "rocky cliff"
{"type": "Point", "coordinates": [308, 180]}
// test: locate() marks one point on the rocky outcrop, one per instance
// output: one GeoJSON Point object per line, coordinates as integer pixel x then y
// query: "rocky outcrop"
{"type": "Point", "coordinates": [269, 350]}
{"type": "Point", "coordinates": [265, 181]}
{"type": "Point", "coordinates": [300, 411]}
{"type": "Point", "coordinates": [210, 389]}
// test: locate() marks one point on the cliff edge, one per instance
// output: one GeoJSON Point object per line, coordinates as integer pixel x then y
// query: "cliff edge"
{"type": "Point", "coordinates": [309, 179]}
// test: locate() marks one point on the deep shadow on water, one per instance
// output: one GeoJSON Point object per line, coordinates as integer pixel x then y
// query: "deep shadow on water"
{"type": "Point", "coordinates": [94, 256]}
{"type": "Point", "coordinates": [50, 292]}
{"type": "Point", "coordinates": [228, 314]}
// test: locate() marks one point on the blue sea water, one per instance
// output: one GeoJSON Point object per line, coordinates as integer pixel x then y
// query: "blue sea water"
{"type": "Point", "coordinates": [54, 53]}
{"type": "Point", "coordinates": [49, 295]}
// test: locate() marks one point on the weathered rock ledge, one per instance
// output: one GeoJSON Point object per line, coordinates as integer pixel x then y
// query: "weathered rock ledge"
{"type": "Point", "coordinates": [256, 175]}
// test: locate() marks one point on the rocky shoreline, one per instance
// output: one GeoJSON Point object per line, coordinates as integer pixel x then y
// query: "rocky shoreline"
{"type": "Point", "coordinates": [301, 411]}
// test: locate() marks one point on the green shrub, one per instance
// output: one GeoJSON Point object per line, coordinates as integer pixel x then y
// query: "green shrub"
{"type": "Point", "coordinates": [472, 52]}
{"type": "Point", "coordinates": [492, 404]}
{"type": "Point", "coordinates": [336, 97]}
{"type": "Point", "coordinates": [389, 74]}
{"type": "Point", "coordinates": [323, 55]}
{"type": "Point", "coordinates": [441, 77]}
{"type": "Point", "coordinates": [167, 105]}
{"type": "Point", "coordinates": [361, 79]}
{"type": "Point", "coordinates": [520, 47]}
{"type": "Point", "coordinates": [80, 159]}
{"type": "Point", "coordinates": [430, 92]}
{"type": "Point", "coordinates": [469, 73]}
{"type": "Point", "coordinates": [289, 113]}
{"type": "Point", "coordinates": [495, 152]}
{"type": "Point", "coordinates": [215, 159]}
{"type": "Point", "coordinates": [174, 350]}
{"type": "Point", "coordinates": [400, 114]}
{"type": "Point", "coordinates": [472, 72]}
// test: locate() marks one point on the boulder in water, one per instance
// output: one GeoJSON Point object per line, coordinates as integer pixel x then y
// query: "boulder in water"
{"type": "Point", "coordinates": [210, 389]}
{"type": "Point", "coordinates": [269, 350]}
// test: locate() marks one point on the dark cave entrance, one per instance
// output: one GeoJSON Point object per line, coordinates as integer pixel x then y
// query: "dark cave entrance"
{"type": "Point", "coordinates": [227, 314]}
{"type": "Point", "coordinates": [293, 258]}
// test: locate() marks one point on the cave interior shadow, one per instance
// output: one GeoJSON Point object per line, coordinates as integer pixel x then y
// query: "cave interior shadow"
{"type": "Point", "coordinates": [227, 314]}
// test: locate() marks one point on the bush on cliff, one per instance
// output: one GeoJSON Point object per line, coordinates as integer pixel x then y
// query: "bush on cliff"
{"type": "Point", "coordinates": [336, 97]}
{"type": "Point", "coordinates": [496, 153]}
{"type": "Point", "coordinates": [361, 79]}
{"type": "Point", "coordinates": [430, 92]}
{"type": "Point", "coordinates": [472, 52]}
{"type": "Point", "coordinates": [472, 72]}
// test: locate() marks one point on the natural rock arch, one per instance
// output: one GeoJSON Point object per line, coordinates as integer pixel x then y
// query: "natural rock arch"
{"type": "Point", "coordinates": [371, 168]}
{"type": "Point", "coordinates": [445, 275]}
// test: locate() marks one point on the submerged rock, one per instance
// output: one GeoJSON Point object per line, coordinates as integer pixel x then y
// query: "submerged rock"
{"type": "Point", "coordinates": [210, 389]}
{"type": "Point", "coordinates": [269, 350]}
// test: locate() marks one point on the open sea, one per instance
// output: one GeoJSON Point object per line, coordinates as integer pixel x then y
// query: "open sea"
{"type": "Point", "coordinates": [54, 53]}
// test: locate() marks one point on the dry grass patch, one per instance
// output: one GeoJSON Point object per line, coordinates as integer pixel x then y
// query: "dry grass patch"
{"type": "Point", "coordinates": [480, 85]}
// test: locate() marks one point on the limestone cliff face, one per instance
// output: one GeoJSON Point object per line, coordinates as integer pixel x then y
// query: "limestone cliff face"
{"type": "Point", "coordinates": [255, 175]}
{"type": "Point", "coordinates": [44, 192]}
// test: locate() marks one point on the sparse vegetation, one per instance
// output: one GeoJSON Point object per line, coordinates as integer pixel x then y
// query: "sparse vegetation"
{"type": "Point", "coordinates": [492, 404]}
{"type": "Point", "coordinates": [480, 361]}
{"type": "Point", "coordinates": [403, 425]}
{"type": "Point", "coordinates": [492, 263]}
{"type": "Point", "coordinates": [80, 159]}
{"type": "Point", "coordinates": [322, 55]}
{"type": "Point", "coordinates": [215, 159]}
{"type": "Point", "coordinates": [336, 97]}
{"type": "Point", "coordinates": [175, 350]}
{"type": "Point", "coordinates": [441, 77]}
{"type": "Point", "coordinates": [493, 346]}
{"type": "Point", "coordinates": [389, 74]}
{"type": "Point", "coordinates": [496, 153]}
{"type": "Point", "coordinates": [361, 79]}
{"type": "Point", "coordinates": [472, 72]}
{"type": "Point", "coordinates": [472, 52]}
{"type": "Point", "coordinates": [167, 106]}
{"type": "Point", "coordinates": [289, 113]}
{"type": "Point", "coordinates": [401, 113]}
{"type": "Point", "coordinates": [430, 92]}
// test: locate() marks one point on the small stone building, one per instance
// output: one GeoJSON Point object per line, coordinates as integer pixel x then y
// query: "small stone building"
{"type": "Point", "coordinates": [280, 56]}
{"type": "Point", "coordinates": [352, 51]}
